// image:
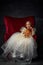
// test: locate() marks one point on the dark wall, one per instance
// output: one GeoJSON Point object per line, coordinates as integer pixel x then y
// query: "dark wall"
{"type": "Point", "coordinates": [22, 9]}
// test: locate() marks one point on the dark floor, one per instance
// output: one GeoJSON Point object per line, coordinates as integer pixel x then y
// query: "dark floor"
{"type": "Point", "coordinates": [20, 62]}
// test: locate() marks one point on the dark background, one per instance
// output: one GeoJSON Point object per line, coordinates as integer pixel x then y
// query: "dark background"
{"type": "Point", "coordinates": [22, 9]}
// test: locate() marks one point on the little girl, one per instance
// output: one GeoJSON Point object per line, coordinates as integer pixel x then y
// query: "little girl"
{"type": "Point", "coordinates": [21, 44]}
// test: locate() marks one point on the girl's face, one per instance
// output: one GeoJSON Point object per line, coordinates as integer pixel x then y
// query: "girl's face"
{"type": "Point", "coordinates": [28, 24]}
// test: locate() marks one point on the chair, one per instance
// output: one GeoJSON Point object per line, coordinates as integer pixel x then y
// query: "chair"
{"type": "Point", "coordinates": [13, 24]}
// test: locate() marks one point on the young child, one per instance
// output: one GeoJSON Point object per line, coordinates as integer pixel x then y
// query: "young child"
{"type": "Point", "coordinates": [21, 43]}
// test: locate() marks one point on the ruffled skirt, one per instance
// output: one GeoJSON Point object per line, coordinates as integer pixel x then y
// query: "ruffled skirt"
{"type": "Point", "coordinates": [18, 45]}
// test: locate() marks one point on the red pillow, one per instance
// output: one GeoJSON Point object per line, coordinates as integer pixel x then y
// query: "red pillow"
{"type": "Point", "coordinates": [13, 24]}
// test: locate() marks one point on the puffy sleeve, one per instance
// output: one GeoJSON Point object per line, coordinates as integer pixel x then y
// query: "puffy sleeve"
{"type": "Point", "coordinates": [33, 31]}
{"type": "Point", "coordinates": [22, 29]}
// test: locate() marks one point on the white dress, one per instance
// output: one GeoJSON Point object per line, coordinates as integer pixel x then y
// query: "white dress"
{"type": "Point", "coordinates": [18, 45]}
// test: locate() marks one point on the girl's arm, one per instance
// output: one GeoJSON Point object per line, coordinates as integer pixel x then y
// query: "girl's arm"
{"type": "Point", "coordinates": [33, 31]}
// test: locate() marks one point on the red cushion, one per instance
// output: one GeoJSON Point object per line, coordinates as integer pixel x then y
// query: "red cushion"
{"type": "Point", "coordinates": [13, 24]}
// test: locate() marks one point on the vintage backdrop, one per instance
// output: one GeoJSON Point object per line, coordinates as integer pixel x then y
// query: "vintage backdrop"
{"type": "Point", "coordinates": [22, 9]}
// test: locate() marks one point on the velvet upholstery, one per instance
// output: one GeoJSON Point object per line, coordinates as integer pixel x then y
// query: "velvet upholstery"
{"type": "Point", "coordinates": [13, 25]}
